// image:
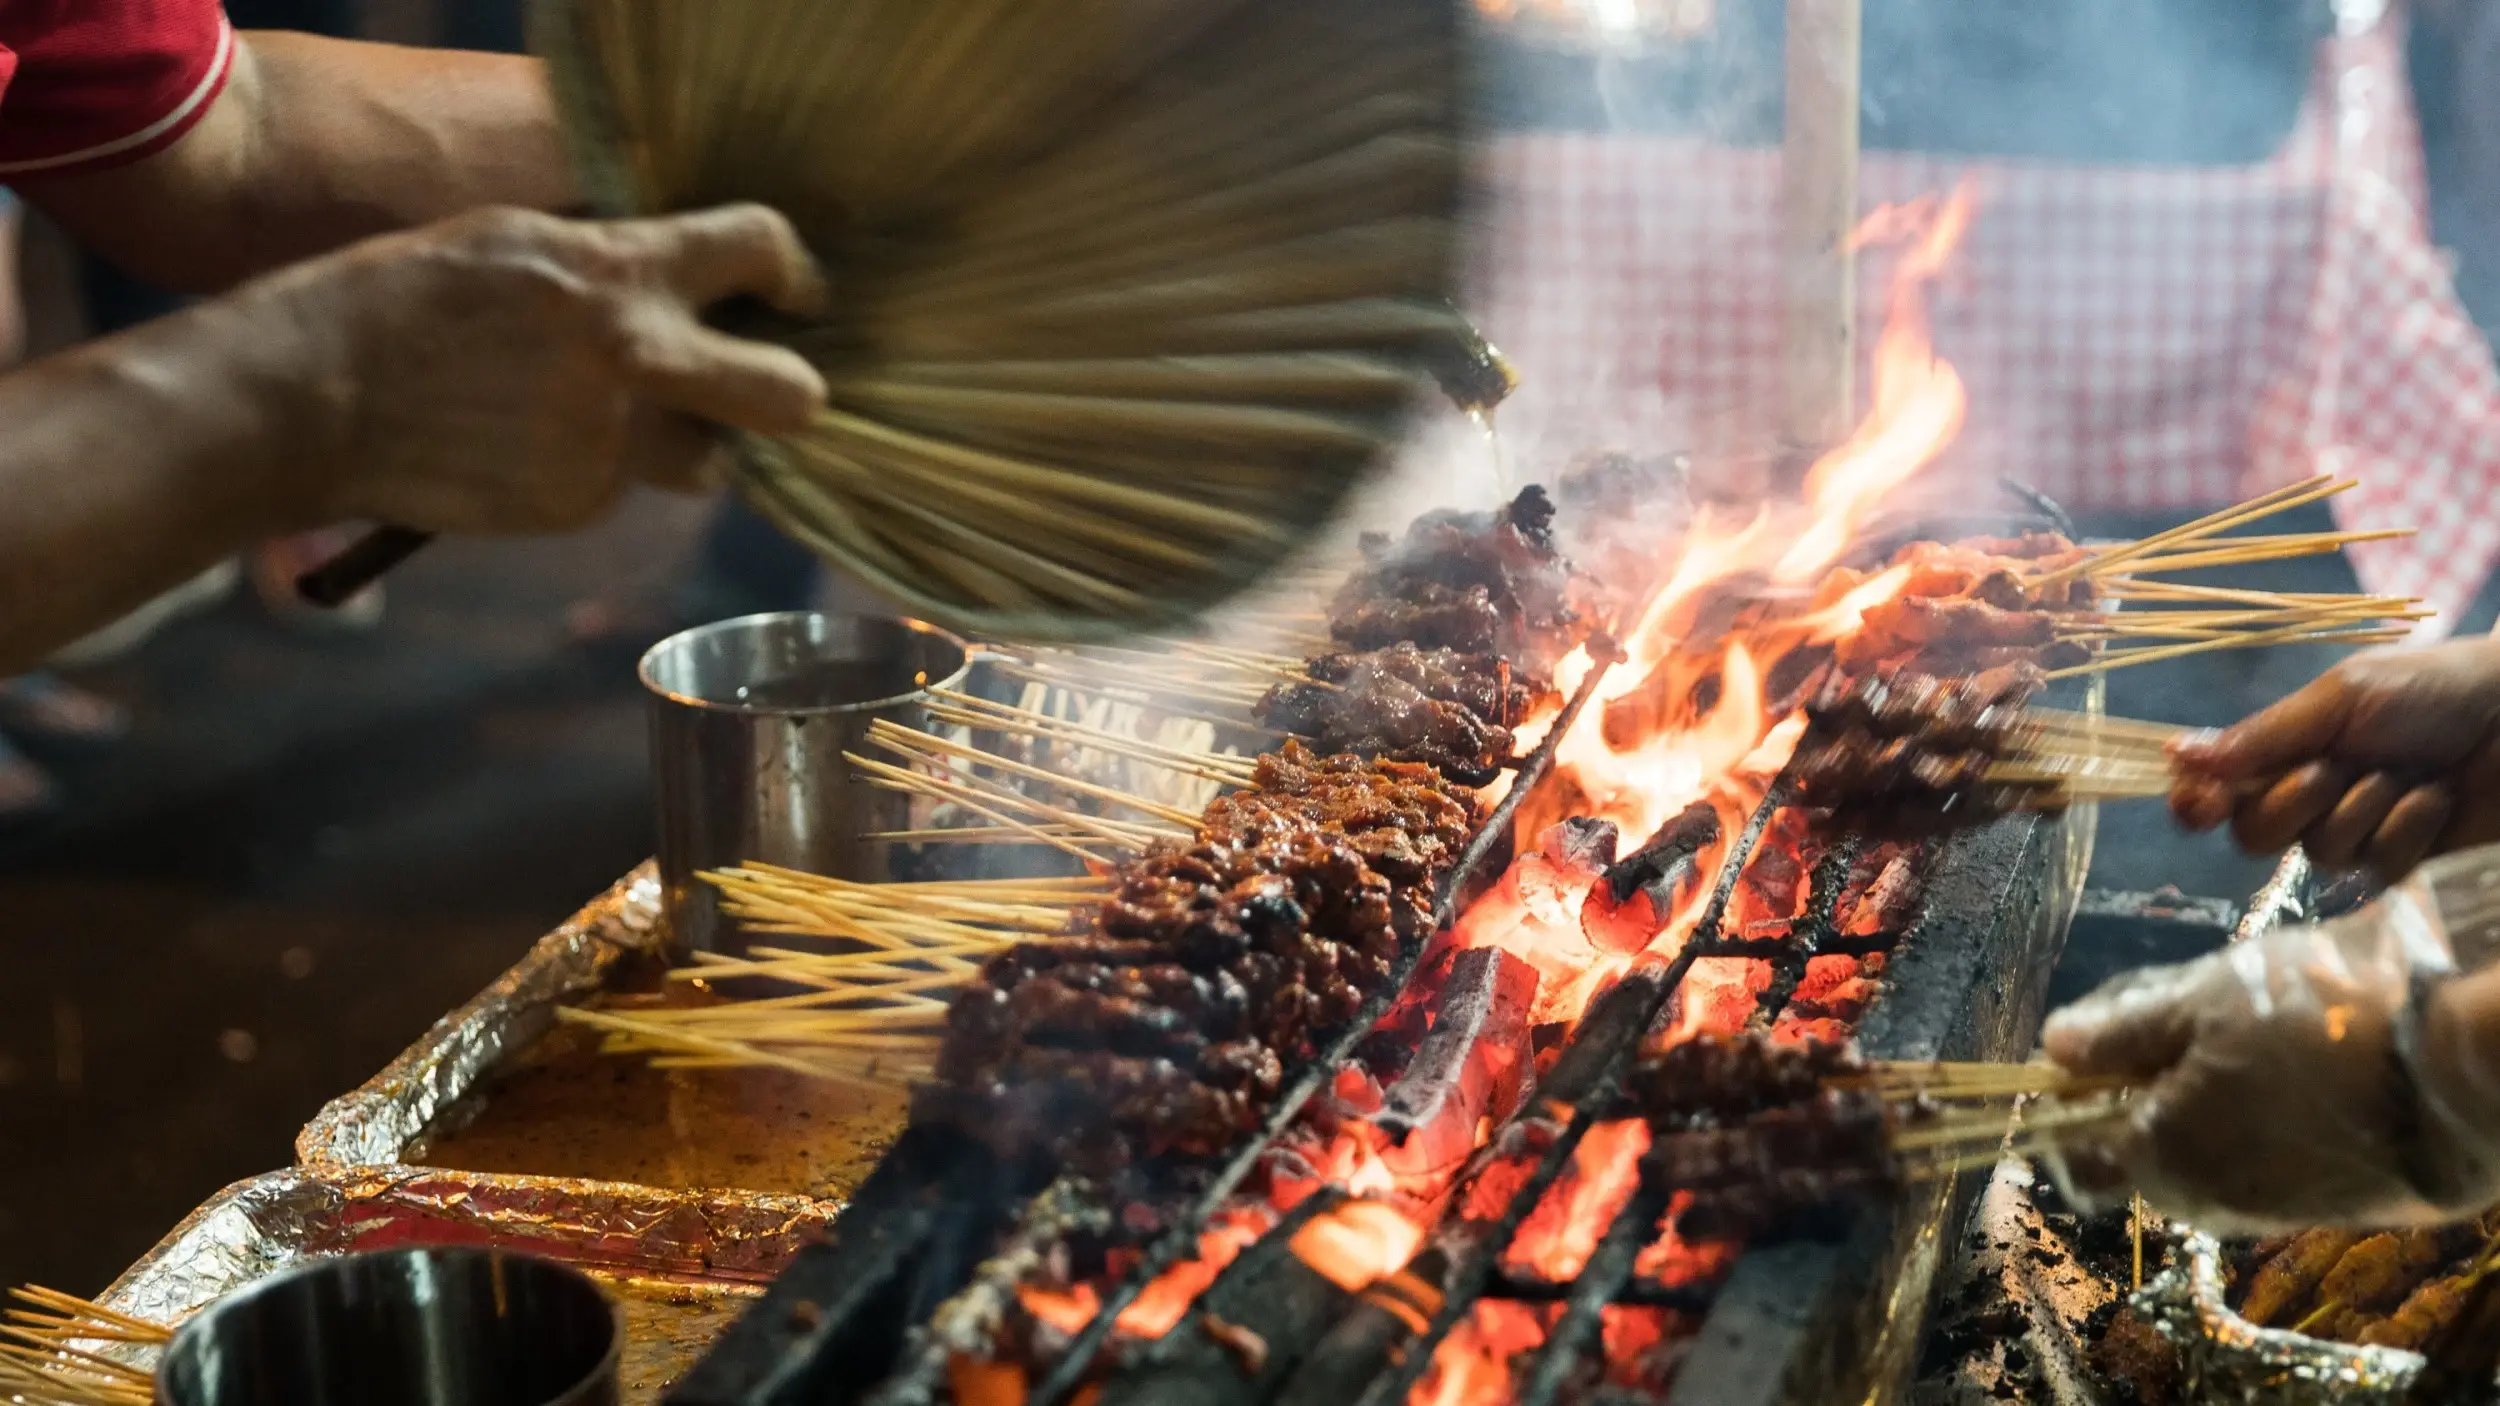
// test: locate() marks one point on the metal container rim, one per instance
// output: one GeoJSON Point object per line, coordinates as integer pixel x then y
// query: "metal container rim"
{"type": "Point", "coordinates": [646, 669]}
{"type": "Point", "coordinates": [243, 1298]}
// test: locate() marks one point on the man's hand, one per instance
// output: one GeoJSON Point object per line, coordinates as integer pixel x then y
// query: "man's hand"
{"type": "Point", "coordinates": [2386, 760]}
{"type": "Point", "coordinates": [2307, 1077]}
{"type": "Point", "coordinates": [503, 372]}
{"type": "Point", "coordinates": [512, 372]}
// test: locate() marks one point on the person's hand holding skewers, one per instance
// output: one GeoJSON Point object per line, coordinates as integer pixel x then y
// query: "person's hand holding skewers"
{"type": "Point", "coordinates": [2338, 1074]}
{"type": "Point", "coordinates": [2381, 763]}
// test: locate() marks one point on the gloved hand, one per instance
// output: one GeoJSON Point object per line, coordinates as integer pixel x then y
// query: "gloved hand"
{"type": "Point", "coordinates": [2385, 760]}
{"type": "Point", "coordinates": [2338, 1074]}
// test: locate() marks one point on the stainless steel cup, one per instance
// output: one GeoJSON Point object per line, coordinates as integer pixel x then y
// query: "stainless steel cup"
{"type": "Point", "coordinates": [423, 1327]}
{"type": "Point", "coordinates": [749, 721]}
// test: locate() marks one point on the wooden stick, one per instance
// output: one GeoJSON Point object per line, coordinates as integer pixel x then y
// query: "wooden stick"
{"type": "Point", "coordinates": [1203, 766]}
{"type": "Point", "coordinates": [2263, 505]}
{"type": "Point", "coordinates": [897, 778]}
{"type": "Point", "coordinates": [1237, 718]}
{"type": "Point", "coordinates": [911, 742]}
{"type": "Point", "coordinates": [998, 717]}
{"type": "Point", "coordinates": [975, 835]}
{"type": "Point", "coordinates": [2135, 1232]}
{"type": "Point", "coordinates": [2292, 634]}
{"type": "Point", "coordinates": [2124, 589]}
{"type": "Point", "coordinates": [86, 1312]}
{"type": "Point", "coordinates": [859, 1072]}
{"type": "Point", "coordinates": [2226, 551]}
{"type": "Point", "coordinates": [970, 791]}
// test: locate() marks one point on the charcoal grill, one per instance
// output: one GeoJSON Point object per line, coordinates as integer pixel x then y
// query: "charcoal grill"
{"type": "Point", "coordinates": [926, 1257]}
{"type": "Point", "coordinates": [925, 1261]}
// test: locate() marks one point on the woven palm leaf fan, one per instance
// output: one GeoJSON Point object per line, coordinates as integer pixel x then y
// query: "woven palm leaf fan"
{"type": "Point", "coordinates": [1129, 292]}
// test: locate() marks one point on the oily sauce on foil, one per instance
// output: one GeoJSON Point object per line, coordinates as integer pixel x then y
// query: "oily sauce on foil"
{"type": "Point", "coordinates": [564, 1109]}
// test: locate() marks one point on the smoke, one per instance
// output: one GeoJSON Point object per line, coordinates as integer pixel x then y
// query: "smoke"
{"type": "Point", "coordinates": [2127, 81]}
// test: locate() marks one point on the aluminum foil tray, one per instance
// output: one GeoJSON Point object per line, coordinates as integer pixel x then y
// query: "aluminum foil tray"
{"type": "Point", "coordinates": [378, 1123]}
{"type": "Point", "coordinates": [499, 1087]}
{"type": "Point", "coordinates": [681, 1264]}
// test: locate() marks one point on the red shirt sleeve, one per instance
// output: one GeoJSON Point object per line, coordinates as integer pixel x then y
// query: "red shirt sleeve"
{"type": "Point", "coordinates": [86, 84]}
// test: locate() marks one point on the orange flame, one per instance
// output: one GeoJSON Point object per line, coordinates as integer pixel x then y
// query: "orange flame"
{"type": "Point", "coordinates": [1919, 400]}
{"type": "Point", "coordinates": [1556, 1241]}
{"type": "Point", "coordinates": [1358, 1244]}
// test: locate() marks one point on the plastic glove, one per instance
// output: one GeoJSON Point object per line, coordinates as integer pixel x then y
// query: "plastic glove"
{"type": "Point", "coordinates": [2386, 759]}
{"type": "Point", "coordinates": [2316, 1075]}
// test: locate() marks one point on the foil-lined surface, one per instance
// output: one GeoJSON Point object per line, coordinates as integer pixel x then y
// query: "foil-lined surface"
{"type": "Point", "coordinates": [674, 1260]}
{"type": "Point", "coordinates": [2021, 1320]}
{"type": "Point", "coordinates": [2229, 1359]}
{"type": "Point", "coordinates": [376, 1124]}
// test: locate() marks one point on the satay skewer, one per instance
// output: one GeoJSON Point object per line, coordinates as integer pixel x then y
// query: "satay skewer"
{"type": "Point", "coordinates": [1149, 693]}
{"type": "Point", "coordinates": [928, 746]}
{"type": "Point", "coordinates": [964, 710]}
{"type": "Point", "coordinates": [1226, 711]}
{"type": "Point", "coordinates": [1080, 837]}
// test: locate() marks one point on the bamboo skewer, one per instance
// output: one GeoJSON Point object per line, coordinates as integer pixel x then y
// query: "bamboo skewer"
{"type": "Point", "coordinates": [928, 746]}
{"type": "Point", "coordinates": [2290, 634]}
{"type": "Point", "coordinates": [1235, 715]}
{"type": "Point", "coordinates": [997, 802]}
{"type": "Point", "coordinates": [967, 710]}
{"type": "Point", "coordinates": [2264, 505]}
{"type": "Point", "coordinates": [43, 1364]}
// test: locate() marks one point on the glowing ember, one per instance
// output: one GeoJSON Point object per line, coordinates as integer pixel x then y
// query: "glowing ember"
{"type": "Point", "coordinates": [1472, 1365]}
{"type": "Point", "coordinates": [1557, 1240]}
{"type": "Point", "coordinates": [1165, 1301]}
{"type": "Point", "coordinates": [1358, 1244]}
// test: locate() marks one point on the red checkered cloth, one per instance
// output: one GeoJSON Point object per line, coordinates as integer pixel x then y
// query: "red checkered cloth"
{"type": "Point", "coordinates": [2134, 338]}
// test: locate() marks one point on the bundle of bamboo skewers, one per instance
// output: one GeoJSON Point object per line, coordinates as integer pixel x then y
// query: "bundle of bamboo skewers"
{"type": "Point", "coordinates": [2087, 756]}
{"type": "Point", "coordinates": [870, 1015]}
{"type": "Point", "coordinates": [2172, 620]}
{"type": "Point", "coordinates": [53, 1352]}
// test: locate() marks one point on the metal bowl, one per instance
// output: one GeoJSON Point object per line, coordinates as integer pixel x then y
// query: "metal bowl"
{"type": "Point", "coordinates": [418, 1327]}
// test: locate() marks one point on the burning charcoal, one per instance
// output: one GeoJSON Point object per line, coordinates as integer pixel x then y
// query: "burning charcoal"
{"type": "Point", "coordinates": [1643, 890]}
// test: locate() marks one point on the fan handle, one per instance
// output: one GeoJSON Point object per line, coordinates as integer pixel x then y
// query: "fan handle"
{"type": "Point", "coordinates": [335, 582]}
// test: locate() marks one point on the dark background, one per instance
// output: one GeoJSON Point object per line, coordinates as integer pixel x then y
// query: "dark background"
{"type": "Point", "coordinates": [313, 848]}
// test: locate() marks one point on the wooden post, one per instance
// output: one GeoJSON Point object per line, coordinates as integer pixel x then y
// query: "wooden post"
{"type": "Point", "coordinates": [1819, 179]}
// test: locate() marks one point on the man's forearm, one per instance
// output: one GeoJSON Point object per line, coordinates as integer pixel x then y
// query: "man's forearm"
{"type": "Point", "coordinates": [317, 143]}
{"type": "Point", "coordinates": [134, 462]}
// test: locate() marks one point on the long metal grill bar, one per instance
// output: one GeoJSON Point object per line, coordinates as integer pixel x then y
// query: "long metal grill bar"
{"type": "Point", "coordinates": [1069, 1372]}
{"type": "Point", "coordinates": [1603, 1278]}
{"type": "Point", "coordinates": [1474, 1272]}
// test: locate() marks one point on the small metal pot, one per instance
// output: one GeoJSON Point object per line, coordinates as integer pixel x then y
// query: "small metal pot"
{"type": "Point", "coordinates": [420, 1327]}
{"type": "Point", "coordinates": [749, 721]}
